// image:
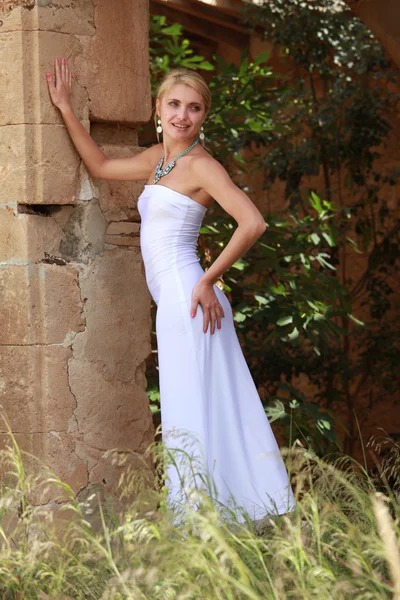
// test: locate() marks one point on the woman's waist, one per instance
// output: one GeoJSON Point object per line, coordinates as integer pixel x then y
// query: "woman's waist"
{"type": "Point", "coordinates": [157, 264]}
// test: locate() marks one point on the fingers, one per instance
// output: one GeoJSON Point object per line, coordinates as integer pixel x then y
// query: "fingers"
{"type": "Point", "coordinates": [50, 83]}
{"type": "Point", "coordinates": [57, 70]}
{"type": "Point", "coordinates": [216, 315]}
{"type": "Point", "coordinates": [213, 311]}
{"type": "Point", "coordinates": [212, 316]}
{"type": "Point", "coordinates": [193, 309]}
{"type": "Point", "coordinates": [206, 320]}
{"type": "Point", "coordinates": [219, 319]}
{"type": "Point", "coordinates": [62, 73]}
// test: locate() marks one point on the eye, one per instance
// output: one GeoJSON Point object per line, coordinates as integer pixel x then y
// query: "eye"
{"type": "Point", "coordinates": [173, 103]}
{"type": "Point", "coordinates": [196, 108]}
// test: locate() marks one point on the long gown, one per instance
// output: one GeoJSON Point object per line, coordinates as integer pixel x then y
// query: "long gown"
{"type": "Point", "coordinates": [206, 389]}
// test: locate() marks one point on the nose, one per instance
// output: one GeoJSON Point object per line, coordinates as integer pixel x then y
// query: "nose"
{"type": "Point", "coordinates": [183, 113]}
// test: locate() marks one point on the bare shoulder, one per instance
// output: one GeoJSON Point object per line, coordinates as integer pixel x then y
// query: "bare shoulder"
{"type": "Point", "coordinates": [206, 166]}
{"type": "Point", "coordinates": [204, 160]}
{"type": "Point", "coordinates": [207, 172]}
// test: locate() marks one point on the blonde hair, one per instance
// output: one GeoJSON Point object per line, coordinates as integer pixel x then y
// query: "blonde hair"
{"type": "Point", "coordinates": [187, 77]}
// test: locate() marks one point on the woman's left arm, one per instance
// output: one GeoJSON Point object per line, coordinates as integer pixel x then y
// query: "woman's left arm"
{"type": "Point", "coordinates": [213, 178]}
{"type": "Point", "coordinates": [216, 182]}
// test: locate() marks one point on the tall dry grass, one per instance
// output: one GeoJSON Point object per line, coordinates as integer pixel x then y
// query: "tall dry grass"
{"type": "Point", "coordinates": [341, 542]}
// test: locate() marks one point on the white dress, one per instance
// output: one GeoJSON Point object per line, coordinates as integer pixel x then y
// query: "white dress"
{"type": "Point", "coordinates": [206, 389]}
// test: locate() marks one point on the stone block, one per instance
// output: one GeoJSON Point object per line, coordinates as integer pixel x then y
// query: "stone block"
{"type": "Point", "coordinates": [39, 304]}
{"type": "Point", "coordinates": [84, 233]}
{"type": "Point", "coordinates": [26, 57]}
{"type": "Point", "coordinates": [109, 469]}
{"type": "Point", "coordinates": [117, 308]}
{"type": "Point", "coordinates": [123, 228]}
{"type": "Point", "coordinates": [119, 240]}
{"type": "Point", "coordinates": [38, 165]}
{"type": "Point", "coordinates": [25, 237]}
{"type": "Point", "coordinates": [117, 196]}
{"type": "Point", "coordinates": [34, 390]}
{"type": "Point", "coordinates": [63, 16]}
{"type": "Point", "coordinates": [117, 66]}
{"type": "Point", "coordinates": [58, 453]}
{"type": "Point", "coordinates": [110, 414]}
{"type": "Point", "coordinates": [112, 406]}
{"type": "Point", "coordinates": [123, 233]}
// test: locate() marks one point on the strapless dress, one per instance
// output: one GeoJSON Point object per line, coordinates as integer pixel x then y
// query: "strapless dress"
{"type": "Point", "coordinates": [210, 407]}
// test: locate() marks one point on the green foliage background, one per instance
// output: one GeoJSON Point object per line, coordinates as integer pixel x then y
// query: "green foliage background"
{"type": "Point", "coordinates": [323, 131]}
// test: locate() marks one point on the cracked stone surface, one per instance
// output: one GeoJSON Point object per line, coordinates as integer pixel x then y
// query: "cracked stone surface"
{"type": "Point", "coordinates": [83, 237]}
{"type": "Point", "coordinates": [64, 16]}
{"type": "Point", "coordinates": [112, 410]}
{"type": "Point", "coordinates": [36, 399]}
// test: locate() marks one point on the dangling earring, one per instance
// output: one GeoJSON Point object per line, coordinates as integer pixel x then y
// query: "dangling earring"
{"type": "Point", "coordinates": [158, 129]}
{"type": "Point", "coordinates": [201, 135]}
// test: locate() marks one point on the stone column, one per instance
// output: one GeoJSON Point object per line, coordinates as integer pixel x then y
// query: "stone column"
{"type": "Point", "coordinates": [74, 307]}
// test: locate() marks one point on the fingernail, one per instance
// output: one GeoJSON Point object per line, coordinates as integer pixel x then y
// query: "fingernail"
{"type": "Point", "coordinates": [48, 75]}
{"type": "Point", "coordinates": [192, 314]}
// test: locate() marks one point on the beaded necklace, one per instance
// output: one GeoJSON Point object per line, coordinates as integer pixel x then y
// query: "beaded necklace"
{"type": "Point", "coordinates": [161, 172]}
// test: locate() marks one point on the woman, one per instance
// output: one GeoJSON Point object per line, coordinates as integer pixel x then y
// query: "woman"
{"type": "Point", "coordinates": [206, 388]}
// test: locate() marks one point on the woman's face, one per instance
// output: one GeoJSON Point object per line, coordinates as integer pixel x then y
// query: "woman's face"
{"type": "Point", "coordinates": [181, 111]}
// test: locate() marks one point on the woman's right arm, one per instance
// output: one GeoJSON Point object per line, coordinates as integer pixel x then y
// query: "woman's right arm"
{"type": "Point", "coordinates": [135, 168]}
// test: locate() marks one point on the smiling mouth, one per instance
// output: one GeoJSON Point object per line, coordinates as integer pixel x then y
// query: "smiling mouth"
{"type": "Point", "coordinates": [180, 126]}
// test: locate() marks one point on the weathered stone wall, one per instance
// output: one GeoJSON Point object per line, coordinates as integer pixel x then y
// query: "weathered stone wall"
{"type": "Point", "coordinates": [74, 307]}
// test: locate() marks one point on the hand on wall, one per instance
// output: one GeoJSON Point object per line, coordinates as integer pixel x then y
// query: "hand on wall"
{"type": "Point", "coordinates": [60, 91]}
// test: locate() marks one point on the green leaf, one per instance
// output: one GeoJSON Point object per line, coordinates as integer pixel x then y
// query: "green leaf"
{"type": "Point", "coordinates": [173, 30]}
{"type": "Point", "coordinates": [275, 412]}
{"type": "Point", "coordinates": [263, 57]}
{"type": "Point", "coordinates": [240, 264]}
{"type": "Point", "coordinates": [315, 238]}
{"type": "Point", "coordinates": [315, 202]}
{"type": "Point", "coordinates": [239, 317]}
{"type": "Point", "coordinates": [284, 321]}
{"type": "Point", "coordinates": [279, 290]}
{"type": "Point", "coordinates": [353, 318]}
{"type": "Point", "coordinates": [328, 238]}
